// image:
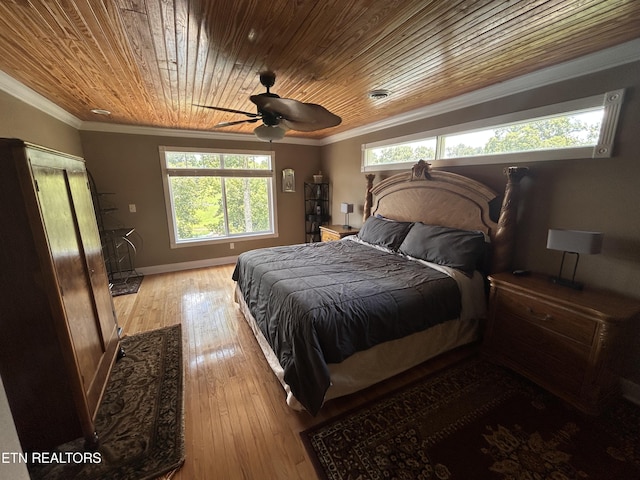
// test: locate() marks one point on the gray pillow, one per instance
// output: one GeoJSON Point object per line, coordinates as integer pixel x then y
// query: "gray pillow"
{"type": "Point", "coordinates": [386, 233]}
{"type": "Point", "coordinates": [460, 249]}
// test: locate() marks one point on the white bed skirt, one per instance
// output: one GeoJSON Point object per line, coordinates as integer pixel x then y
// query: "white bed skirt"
{"type": "Point", "coordinates": [378, 363]}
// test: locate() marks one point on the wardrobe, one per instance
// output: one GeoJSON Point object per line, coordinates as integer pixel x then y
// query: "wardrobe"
{"type": "Point", "coordinates": [58, 329]}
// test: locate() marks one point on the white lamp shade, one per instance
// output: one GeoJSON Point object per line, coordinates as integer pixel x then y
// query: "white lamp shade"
{"type": "Point", "coordinates": [575, 241]}
{"type": "Point", "coordinates": [269, 134]}
{"type": "Point", "coordinates": [346, 207]}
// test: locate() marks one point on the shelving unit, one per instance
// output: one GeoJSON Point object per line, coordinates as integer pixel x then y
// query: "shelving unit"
{"type": "Point", "coordinates": [316, 207]}
{"type": "Point", "coordinates": [119, 253]}
{"type": "Point", "coordinates": [118, 248]}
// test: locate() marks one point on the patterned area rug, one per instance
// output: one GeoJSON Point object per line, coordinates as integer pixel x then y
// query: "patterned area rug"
{"type": "Point", "coordinates": [140, 420]}
{"type": "Point", "coordinates": [477, 421]}
{"type": "Point", "coordinates": [132, 285]}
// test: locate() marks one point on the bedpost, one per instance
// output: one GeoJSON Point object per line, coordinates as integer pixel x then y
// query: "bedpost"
{"type": "Point", "coordinates": [368, 199]}
{"type": "Point", "coordinates": [504, 239]}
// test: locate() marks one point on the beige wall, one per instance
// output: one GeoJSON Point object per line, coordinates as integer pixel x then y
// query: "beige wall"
{"type": "Point", "coordinates": [587, 194]}
{"type": "Point", "coordinates": [19, 120]}
{"type": "Point", "coordinates": [129, 167]}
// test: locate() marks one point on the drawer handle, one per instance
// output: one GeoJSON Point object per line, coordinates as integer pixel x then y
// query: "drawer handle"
{"type": "Point", "coordinates": [545, 317]}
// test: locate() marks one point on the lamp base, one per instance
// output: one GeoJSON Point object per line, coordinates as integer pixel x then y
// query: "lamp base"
{"type": "Point", "coordinates": [346, 227]}
{"type": "Point", "coordinates": [567, 283]}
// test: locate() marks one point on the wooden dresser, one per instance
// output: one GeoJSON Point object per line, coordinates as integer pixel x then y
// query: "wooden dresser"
{"type": "Point", "coordinates": [568, 341]}
{"type": "Point", "coordinates": [330, 233]}
{"type": "Point", "coordinates": [58, 331]}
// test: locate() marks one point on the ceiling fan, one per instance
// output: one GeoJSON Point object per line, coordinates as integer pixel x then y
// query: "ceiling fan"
{"type": "Point", "coordinates": [280, 114]}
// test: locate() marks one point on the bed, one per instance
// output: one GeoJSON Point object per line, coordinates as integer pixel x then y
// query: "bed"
{"type": "Point", "coordinates": [333, 318]}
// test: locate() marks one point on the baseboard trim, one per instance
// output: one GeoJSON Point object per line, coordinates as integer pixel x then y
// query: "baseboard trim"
{"type": "Point", "coordinates": [177, 267]}
{"type": "Point", "coordinates": [630, 390]}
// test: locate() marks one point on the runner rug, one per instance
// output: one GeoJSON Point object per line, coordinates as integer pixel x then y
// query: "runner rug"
{"type": "Point", "coordinates": [140, 420]}
{"type": "Point", "coordinates": [476, 421]}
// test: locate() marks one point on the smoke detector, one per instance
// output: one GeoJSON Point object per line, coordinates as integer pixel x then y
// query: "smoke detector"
{"type": "Point", "coordinates": [378, 94]}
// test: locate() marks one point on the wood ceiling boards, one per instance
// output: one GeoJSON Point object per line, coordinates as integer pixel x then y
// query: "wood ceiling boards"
{"type": "Point", "coordinates": [148, 61]}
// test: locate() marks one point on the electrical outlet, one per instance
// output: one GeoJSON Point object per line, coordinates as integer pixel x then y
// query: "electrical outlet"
{"type": "Point", "coordinates": [232, 245]}
{"type": "Point", "coordinates": [132, 208]}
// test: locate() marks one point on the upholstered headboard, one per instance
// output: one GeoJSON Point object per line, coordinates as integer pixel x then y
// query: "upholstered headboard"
{"type": "Point", "coordinates": [452, 200]}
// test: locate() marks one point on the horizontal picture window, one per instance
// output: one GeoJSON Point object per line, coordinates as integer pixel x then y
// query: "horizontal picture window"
{"type": "Point", "coordinates": [583, 128]}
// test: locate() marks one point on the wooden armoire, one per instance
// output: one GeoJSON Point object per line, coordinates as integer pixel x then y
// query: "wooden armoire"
{"type": "Point", "coordinates": [58, 329]}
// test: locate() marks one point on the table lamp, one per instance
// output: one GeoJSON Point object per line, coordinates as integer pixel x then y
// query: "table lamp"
{"type": "Point", "coordinates": [346, 208]}
{"type": "Point", "coordinates": [574, 242]}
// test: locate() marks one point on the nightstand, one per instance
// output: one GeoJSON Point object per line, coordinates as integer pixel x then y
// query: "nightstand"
{"type": "Point", "coordinates": [330, 233]}
{"type": "Point", "coordinates": [567, 341]}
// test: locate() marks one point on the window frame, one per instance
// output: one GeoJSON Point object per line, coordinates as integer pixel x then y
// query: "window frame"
{"type": "Point", "coordinates": [168, 172]}
{"type": "Point", "coordinates": [611, 101]}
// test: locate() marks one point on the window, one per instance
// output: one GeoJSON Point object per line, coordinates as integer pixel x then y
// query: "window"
{"type": "Point", "coordinates": [567, 130]}
{"type": "Point", "coordinates": [577, 129]}
{"type": "Point", "coordinates": [218, 195]}
{"type": "Point", "coordinates": [403, 153]}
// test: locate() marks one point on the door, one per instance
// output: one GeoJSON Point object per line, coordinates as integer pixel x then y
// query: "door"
{"type": "Point", "coordinates": [67, 254]}
{"type": "Point", "coordinates": [92, 246]}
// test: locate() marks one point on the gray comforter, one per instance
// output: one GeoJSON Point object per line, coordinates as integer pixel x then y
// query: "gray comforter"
{"type": "Point", "coordinates": [319, 303]}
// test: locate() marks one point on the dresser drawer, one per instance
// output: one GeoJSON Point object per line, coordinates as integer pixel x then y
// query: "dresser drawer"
{"type": "Point", "coordinates": [555, 319]}
{"type": "Point", "coordinates": [570, 342]}
{"type": "Point", "coordinates": [539, 353]}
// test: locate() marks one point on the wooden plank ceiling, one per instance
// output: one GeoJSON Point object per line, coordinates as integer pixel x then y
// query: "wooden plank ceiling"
{"type": "Point", "coordinates": [148, 61]}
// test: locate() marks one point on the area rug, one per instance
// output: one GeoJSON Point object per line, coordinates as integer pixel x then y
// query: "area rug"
{"type": "Point", "coordinates": [140, 421]}
{"type": "Point", "coordinates": [476, 421]}
{"type": "Point", "coordinates": [131, 285]}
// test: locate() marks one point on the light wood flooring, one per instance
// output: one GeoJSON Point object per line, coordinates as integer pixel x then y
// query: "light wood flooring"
{"type": "Point", "coordinates": [237, 425]}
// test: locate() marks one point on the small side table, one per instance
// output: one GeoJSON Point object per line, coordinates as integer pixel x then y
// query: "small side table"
{"type": "Point", "coordinates": [331, 233]}
{"type": "Point", "coordinates": [567, 341]}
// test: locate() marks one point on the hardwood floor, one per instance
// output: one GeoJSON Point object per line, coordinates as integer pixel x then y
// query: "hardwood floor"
{"type": "Point", "coordinates": [237, 425]}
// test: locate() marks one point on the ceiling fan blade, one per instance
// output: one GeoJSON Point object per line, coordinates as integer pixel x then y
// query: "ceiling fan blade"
{"type": "Point", "coordinates": [230, 110]}
{"type": "Point", "coordinates": [237, 122]}
{"type": "Point", "coordinates": [304, 117]}
{"type": "Point", "coordinates": [302, 126]}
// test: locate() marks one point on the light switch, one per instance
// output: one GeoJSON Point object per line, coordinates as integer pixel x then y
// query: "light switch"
{"type": "Point", "coordinates": [132, 207]}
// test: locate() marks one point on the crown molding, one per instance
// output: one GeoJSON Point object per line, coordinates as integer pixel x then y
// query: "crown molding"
{"type": "Point", "coordinates": [604, 59]}
{"type": "Point", "coordinates": [173, 132]}
{"type": "Point", "coordinates": [609, 58]}
{"type": "Point", "coordinates": [23, 93]}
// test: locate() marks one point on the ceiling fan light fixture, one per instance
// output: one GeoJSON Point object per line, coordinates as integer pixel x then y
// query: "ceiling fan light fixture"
{"type": "Point", "coordinates": [269, 133]}
{"type": "Point", "coordinates": [378, 94]}
{"type": "Point", "coordinates": [279, 115]}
